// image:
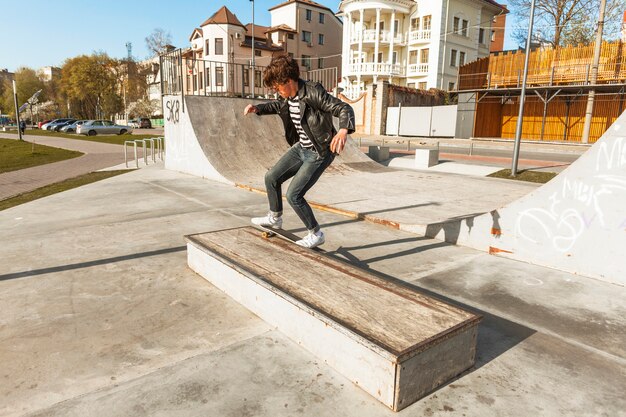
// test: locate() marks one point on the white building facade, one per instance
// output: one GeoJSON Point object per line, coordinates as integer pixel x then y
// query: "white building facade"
{"type": "Point", "coordinates": [414, 43]}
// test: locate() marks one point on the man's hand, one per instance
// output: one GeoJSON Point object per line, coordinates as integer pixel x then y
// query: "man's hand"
{"type": "Point", "coordinates": [338, 142]}
{"type": "Point", "coordinates": [250, 108]}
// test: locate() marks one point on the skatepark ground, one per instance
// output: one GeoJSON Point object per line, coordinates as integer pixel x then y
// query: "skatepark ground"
{"type": "Point", "coordinates": [102, 316]}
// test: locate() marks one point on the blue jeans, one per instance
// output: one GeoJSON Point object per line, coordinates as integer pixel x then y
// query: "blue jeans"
{"type": "Point", "coordinates": [306, 167]}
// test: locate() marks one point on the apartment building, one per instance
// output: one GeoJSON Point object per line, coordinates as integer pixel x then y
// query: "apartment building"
{"type": "Point", "coordinates": [413, 43]}
{"type": "Point", "coordinates": [309, 32]}
{"type": "Point", "coordinates": [306, 30]}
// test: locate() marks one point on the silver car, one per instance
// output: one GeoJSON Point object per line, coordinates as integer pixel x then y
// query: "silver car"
{"type": "Point", "coordinates": [71, 128]}
{"type": "Point", "coordinates": [102, 127]}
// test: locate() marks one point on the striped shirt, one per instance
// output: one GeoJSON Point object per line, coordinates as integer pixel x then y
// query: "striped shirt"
{"type": "Point", "coordinates": [294, 112]}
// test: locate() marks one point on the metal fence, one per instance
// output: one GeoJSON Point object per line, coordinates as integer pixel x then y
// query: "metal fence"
{"type": "Point", "coordinates": [191, 76]}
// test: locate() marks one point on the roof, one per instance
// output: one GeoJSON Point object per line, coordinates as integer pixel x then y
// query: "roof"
{"type": "Point", "coordinates": [258, 30]}
{"type": "Point", "coordinates": [307, 2]}
{"type": "Point", "coordinates": [195, 31]}
{"type": "Point", "coordinates": [223, 17]}
{"type": "Point", "coordinates": [495, 3]}
{"type": "Point", "coordinates": [282, 26]}
{"type": "Point", "coordinates": [260, 45]}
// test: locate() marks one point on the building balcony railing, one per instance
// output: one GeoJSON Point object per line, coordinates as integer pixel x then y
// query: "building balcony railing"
{"type": "Point", "coordinates": [375, 68]}
{"type": "Point", "coordinates": [383, 36]}
{"type": "Point", "coordinates": [418, 69]}
{"type": "Point", "coordinates": [416, 36]}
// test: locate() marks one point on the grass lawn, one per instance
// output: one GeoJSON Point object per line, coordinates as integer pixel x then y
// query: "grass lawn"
{"type": "Point", "coordinates": [114, 139]}
{"type": "Point", "coordinates": [526, 175]}
{"type": "Point", "coordinates": [58, 187]}
{"type": "Point", "coordinates": [15, 154]}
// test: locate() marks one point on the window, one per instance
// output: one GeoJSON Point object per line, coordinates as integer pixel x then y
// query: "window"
{"type": "Point", "coordinates": [453, 58]}
{"type": "Point", "coordinates": [257, 78]}
{"type": "Point", "coordinates": [188, 83]}
{"type": "Point", "coordinates": [322, 18]}
{"type": "Point", "coordinates": [422, 85]}
{"type": "Point", "coordinates": [481, 36]}
{"type": "Point", "coordinates": [219, 77]}
{"type": "Point", "coordinates": [257, 52]}
{"type": "Point", "coordinates": [415, 23]}
{"type": "Point", "coordinates": [219, 46]}
{"type": "Point", "coordinates": [381, 26]}
{"type": "Point", "coordinates": [464, 28]}
{"type": "Point", "coordinates": [426, 22]}
{"type": "Point", "coordinates": [396, 27]}
{"type": "Point", "coordinates": [394, 58]}
{"type": "Point", "coordinates": [410, 85]}
{"type": "Point", "coordinates": [461, 58]}
{"type": "Point", "coordinates": [493, 35]}
{"type": "Point", "coordinates": [200, 78]}
{"type": "Point", "coordinates": [309, 15]}
{"type": "Point", "coordinates": [413, 57]}
{"type": "Point", "coordinates": [208, 78]}
{"type": "Point", "coordinates": [320, 63]}
{"type": "Point", "coordinates": [290, 36]}
{"type": "Point", "coordinates": [306, 36]}
{"type": "Point", "coordinates": [206, 46]}
{"type": "Point", "coordinates": [246, 76]}
{"type": "Point", "coordinates": [195, 82]}
{"type": "Point", "coordinates": [455, 25]}
{"type": "Point", "coordinates": [451, 86]}
{"type": "Point", "coordinates": [424, 56]}
{"type": "Point", "coordinates": [306, 61]}
{"type": "Point", "coordinates": [380, 57]}
{"type": "Point", "coordinates": [107, 123]}
{"type": "Point", "coordinates": [320, 39]}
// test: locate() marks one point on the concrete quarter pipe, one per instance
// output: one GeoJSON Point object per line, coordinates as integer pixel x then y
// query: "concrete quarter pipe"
{"type": "Point", "coordinates": [575, 223]}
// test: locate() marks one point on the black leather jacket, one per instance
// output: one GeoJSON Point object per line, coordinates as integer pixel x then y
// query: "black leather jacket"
{"type": "Point", "coordinates": [317, 109]}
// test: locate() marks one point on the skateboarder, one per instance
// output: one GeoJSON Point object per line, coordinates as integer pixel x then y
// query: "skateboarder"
{"type": "Point", "coordinates": [307, 111]}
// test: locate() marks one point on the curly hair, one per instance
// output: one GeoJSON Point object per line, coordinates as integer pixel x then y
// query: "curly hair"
{"type": "Point", "coordinates": [281, 70]}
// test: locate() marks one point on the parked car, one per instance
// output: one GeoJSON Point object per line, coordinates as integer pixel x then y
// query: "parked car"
{"type": "Point", "coordinates": [40, 124]}
{"type": "Point", "coordinates": [44, 126]}
{"type": "Point", "coordinates": [71, 127]}
{"type": "Point", "coordinates": [140, 123]}
{"type": "Point", "coordinates": [54, 122]}
{"type": "Point", "coordinates": [102, 127]}
{"type": "Point", "coordinates": [56, 126]}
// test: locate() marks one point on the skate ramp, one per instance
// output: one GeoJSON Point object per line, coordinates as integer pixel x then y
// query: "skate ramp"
{"type": "Point", "coordinates": [236, 148]}
{"type": "Point", "coordinates": [575, 223]}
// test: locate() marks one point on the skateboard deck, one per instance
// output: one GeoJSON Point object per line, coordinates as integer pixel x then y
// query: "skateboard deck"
{"type": "Point", "coordinates": [268, 232]}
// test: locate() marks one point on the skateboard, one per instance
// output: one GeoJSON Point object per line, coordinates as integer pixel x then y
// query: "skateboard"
{"type": "Point", "coordinates": [268, 232]}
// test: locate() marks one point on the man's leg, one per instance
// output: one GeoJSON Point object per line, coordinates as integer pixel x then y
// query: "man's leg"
{"type": "Point", "coordinates": [306, 177]}
{"type": "Point", "coordinates": [285, 168]}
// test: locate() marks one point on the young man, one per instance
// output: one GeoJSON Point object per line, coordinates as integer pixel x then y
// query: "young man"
{"type": "Point", "coordinates": [307, 111]}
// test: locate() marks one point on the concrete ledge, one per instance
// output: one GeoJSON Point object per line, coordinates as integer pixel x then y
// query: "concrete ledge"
{"type": "Point", "coordinates": [393, 342]}
{"type": "Point", "coordinates": [426, 158]}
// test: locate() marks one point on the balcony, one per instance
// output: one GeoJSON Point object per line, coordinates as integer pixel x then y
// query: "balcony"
{"type": "Point", "coordinates": [419, 36]}
{"type": "Point", "coordinates": [374, 68]}
{"type": "Point", "coordinates": [384, 36]}
{"type": "Point", "coordinates": [418, 69]}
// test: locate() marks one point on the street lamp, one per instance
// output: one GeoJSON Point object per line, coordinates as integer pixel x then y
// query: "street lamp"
{"type": "Point", "coordinates": [252, 61]}
{"type": "Point", "coordinates": [518, 129]}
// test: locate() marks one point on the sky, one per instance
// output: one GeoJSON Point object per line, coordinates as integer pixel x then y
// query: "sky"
{"type": "Point", "coordinates": [37, 33]}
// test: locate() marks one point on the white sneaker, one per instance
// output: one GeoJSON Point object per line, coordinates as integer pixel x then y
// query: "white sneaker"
{"type": "Point", "coordinates": [269, 220]}
{"type": "Point", "coordinates": [312, 240]}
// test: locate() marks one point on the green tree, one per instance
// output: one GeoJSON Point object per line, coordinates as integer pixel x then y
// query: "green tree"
{"type": "Point", "coordinates": [27, 83]}
{"type": "Point", "coordinates": [566, 22]}
{"type": "Point", "coordinates": [91, 86]}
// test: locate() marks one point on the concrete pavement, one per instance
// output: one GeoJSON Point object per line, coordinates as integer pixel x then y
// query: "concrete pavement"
{"type": "Point", "coordinates": [102, 317]}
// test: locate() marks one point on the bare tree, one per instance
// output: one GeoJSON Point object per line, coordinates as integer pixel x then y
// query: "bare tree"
{"type": "Point", "coordinates": [566, 22]}
{"type": "Point", "coordinates": [157, 40]}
